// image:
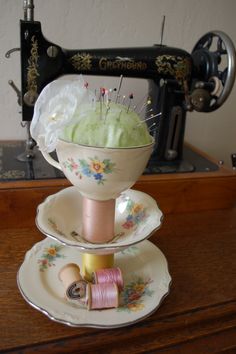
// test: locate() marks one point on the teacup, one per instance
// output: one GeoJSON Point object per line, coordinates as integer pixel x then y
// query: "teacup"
{"type": "Point", "coordinates": [100, 173]}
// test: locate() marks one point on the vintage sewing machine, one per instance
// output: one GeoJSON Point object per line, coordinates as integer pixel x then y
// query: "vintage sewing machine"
{"type": "Point", "coordinates": [178, 82]}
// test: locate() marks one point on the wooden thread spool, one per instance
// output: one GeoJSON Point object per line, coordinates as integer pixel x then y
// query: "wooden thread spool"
{"type": "Point", "coordinates": [72, 281]}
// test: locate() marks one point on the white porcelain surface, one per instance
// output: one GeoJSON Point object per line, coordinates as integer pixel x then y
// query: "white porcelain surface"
{"type": "Point", "coordinates": [101, 173]}
{"type": "Point", "coordinates": [137, 216]}
{"type": "Point", "coordinates": [146, 280]}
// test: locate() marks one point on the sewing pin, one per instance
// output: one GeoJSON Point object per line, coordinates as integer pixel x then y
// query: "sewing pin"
{"type": "Point", "coordinates": [107, 110]}
{"type": "Point", "coordinates": [151, 117]}
{"type": "Point", "coordinates": [106, 101]}
{"type": "Point", "coordinates": [95, 94]}
{"type": "Point", "coordinates": [112, 91]}
{"type": "Point", "coordinates": [94, 104]}
{"type": "Point", "coordinates": [119, 87]}
{"type": "Point", "coordinates": [94, 100]}
{"type": "Point", "coordinates": [106, 96]}
{"type": "Point", "coordinates": [139, 102]}
{"type": "Point", "coordinates": [102, 92]}
{"type": "Point", "coordinates": [152, 126]}
{"type": "Point", "coordinates": [131, 96]}
{"type": "Point", "coordinates": [145, 104]}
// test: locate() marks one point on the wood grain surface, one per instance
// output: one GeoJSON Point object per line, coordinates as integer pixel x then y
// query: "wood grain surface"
{"type": "Point", "coordinates": [198, 316]}
{"type": "Point", "coordinates": [175, 193]}
{"type": "Point", "coordinates": [198, 238]}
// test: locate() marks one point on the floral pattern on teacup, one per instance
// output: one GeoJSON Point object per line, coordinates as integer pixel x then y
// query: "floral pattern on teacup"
{"type": "Point", "coordinates": [49, 256]}
{"type": "Point", "coordinates": [132, 297]}
{"type": "Point", "coordinates": [93, 168]}
{"type": "Point", "coordinates": [136, 214]}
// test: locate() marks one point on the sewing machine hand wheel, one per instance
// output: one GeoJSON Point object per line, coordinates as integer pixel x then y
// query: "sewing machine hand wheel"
{"type": "Point", "coordinates": [214, 61]}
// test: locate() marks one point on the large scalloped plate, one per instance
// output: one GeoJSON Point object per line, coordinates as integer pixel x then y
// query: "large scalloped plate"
{"type": "Point", "coordinates": [137, 216]}
{"type": "Point", "coordinates": [146, 284]}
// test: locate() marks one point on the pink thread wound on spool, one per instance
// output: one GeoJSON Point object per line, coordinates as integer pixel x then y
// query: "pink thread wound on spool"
{"type": "Point", "coordinates": [109, 275]}
{"type": "Point", "coordinates": [101, 296]}
{"type": "Point", "coordinates": [98, 220]}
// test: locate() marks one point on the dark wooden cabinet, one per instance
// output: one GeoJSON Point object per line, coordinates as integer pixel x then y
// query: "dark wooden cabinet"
{"type": "Point", "coordinates": [198, 238]}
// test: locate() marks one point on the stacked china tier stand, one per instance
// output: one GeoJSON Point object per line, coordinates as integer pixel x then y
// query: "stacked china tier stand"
{"type": "Point", "coordinates": [97, 223]}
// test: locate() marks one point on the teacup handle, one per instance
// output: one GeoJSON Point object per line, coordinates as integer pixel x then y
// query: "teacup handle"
{"type": "Point", "coordinates": [50, 160]}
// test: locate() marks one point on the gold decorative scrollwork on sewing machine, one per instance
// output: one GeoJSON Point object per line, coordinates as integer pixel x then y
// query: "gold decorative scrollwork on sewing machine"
{"type": "Point", "coordinates": [176, 66]}
{"type": "Point", "coordinates": [32, 71]}
{"type": "Point", "coordinates": [32, 91]}
{"type": "Point", "coordinates": [81, 61]}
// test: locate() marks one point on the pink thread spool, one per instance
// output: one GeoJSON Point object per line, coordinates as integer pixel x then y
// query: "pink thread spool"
{"type": "Point", "coordinates": [98, 220]}
{"type": "Point", "coordinates": [109, 275]}
{"type": "Point", "coordinates": [102, 296]}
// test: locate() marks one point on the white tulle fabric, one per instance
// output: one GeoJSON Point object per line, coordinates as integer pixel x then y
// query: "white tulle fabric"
{"type": "Point", "coordinates": [55, 108]}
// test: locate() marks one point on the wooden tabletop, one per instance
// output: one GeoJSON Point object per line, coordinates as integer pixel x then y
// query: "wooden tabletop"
{"type": "Point", "coordinates": [198, 316]}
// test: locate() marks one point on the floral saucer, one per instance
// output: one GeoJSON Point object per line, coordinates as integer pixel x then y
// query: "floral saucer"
{"type": "Point", "coordinates": [146, 283]}
{"type": "Point", "coordinates": [137, 216]}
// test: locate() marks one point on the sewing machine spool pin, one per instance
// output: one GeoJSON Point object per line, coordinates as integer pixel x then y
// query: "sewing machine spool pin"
{"type": "Point", "coordinates": [162, 29]}
{"type": "Point", "coordinates": [28, 7]}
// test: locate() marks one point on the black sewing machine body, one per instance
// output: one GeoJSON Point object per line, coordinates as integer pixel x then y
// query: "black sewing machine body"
{"type": "Point", "coordinates": [178, 81]}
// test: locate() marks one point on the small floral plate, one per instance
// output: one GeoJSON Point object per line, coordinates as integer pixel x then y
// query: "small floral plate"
{"type": "Point", "coordinates": [146, 283]}
{"type": "Point", "coordinates": [137, 216]}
